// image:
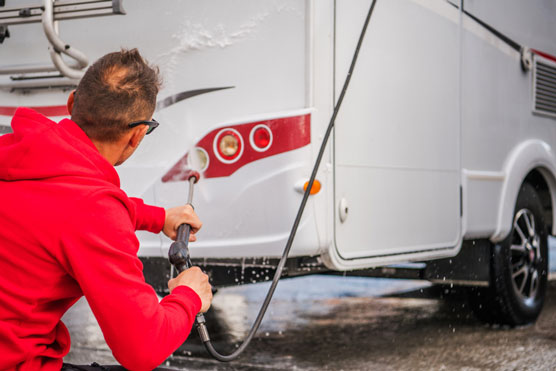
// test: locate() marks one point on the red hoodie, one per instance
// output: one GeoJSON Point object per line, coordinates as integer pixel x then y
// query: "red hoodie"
{"type": "Point", "coordinates": [67, 230]}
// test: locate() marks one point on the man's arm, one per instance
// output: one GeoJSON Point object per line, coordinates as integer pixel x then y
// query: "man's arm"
{"type": "Point", "coordinates": [147, 217]}
{"type": "Point", "coordinates": [101, 252]}
{"type": "Point", "coordinates": [156, 219]}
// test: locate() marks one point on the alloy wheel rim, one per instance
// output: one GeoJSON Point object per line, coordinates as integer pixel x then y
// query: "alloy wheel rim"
{"type": "Point", "coordinates": [526, 257]}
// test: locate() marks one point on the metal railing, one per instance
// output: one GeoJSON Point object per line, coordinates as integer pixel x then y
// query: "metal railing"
{"type": "Point", "coordinates": [49, 13]}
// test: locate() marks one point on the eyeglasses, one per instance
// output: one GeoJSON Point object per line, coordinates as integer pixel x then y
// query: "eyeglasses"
{"type": "Point", "coordinates": [153, 124]}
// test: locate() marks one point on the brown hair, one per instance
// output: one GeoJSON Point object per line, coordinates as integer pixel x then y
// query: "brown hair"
{"type": "Point", "coordinates": [116, 90]}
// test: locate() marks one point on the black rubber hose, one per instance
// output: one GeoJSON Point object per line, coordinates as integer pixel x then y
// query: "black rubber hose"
{"type": "Point", "coordinates": [200, 324]}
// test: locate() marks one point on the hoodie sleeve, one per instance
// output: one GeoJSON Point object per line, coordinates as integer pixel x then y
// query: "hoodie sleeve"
{"type": "Point", "coordinates": [100, 252]}
{"type": "Point", "coordinates": [147, 217]}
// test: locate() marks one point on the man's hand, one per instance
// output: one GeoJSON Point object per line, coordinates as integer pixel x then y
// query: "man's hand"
{"type": "Point", "coordinates": [196, 280]}
{"type": "Point", "coordinates": [179, 215]}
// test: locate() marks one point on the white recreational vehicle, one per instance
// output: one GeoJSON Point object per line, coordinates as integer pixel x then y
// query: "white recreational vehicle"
{"type": "Point", "coordinates": [441, 165]}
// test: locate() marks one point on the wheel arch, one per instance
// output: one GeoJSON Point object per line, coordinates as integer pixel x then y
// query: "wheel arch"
{"type": "Point", "coordinates": [532, 161]}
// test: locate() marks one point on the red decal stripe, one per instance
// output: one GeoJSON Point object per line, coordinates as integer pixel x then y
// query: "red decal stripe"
{"type": "Point", "coordinates": [45, 110]}
{"type": "Point", "coordinates": [545, 55]}
{"type": "Point", "coordinates": [288, 133]}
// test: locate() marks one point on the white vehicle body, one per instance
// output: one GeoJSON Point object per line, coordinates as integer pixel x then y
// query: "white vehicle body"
{"type": "Point", "coordinates": [438, 130]}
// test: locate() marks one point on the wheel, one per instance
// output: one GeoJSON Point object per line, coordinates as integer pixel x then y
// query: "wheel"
{"type": "Point", "coordinates": [519, 268]}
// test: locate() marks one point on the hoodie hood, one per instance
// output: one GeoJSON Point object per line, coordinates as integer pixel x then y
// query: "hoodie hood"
{"type": "Point", "coordinates": [40, 148]}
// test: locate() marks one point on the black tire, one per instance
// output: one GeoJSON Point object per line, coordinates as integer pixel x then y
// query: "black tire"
{"type": "Point", "coordinates": [519, 268]}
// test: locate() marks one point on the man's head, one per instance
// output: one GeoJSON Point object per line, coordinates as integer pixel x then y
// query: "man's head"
{"type": "Point", "coordinates": [118, 89]}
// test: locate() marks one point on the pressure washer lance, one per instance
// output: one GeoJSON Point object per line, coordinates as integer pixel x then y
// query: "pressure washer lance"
{"type": "Point", "coordinates": [179, 255]}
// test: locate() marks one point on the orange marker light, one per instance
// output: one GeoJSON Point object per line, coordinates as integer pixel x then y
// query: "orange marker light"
{"type": "Point", "coordinates": [315, 189]}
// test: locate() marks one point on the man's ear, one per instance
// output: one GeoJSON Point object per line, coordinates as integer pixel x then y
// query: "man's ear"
{"type": "Point", "coordinates": [71, 99]}
{"type": "Point", "coordinates": [137, 135]}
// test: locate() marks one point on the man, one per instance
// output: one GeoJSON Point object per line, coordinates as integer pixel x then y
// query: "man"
{"type": "Point", "coordinates": [67, 229]}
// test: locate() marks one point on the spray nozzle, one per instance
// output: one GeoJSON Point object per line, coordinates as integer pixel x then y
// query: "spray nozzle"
{"type": "Point", "coordinates": [192, 174]}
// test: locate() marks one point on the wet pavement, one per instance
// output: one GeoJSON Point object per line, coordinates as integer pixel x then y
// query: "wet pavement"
{"type": "Point", "coordinates": [349, 323]}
